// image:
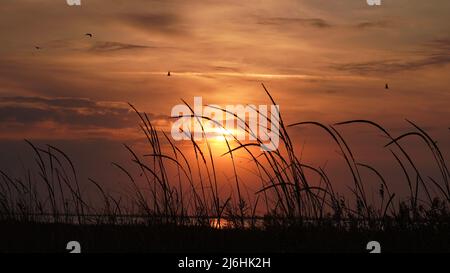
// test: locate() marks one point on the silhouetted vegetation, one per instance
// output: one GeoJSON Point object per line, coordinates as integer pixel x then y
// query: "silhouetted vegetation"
{"type": "Point", "coordinates": [162, 209]}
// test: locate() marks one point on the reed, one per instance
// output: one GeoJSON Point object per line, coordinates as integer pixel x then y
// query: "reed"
{"type": "Point", "coordinates": [190, 195]}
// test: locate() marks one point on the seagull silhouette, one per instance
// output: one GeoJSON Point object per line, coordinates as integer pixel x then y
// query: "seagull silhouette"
{"type": "Point", "coordinates": [89, 35]}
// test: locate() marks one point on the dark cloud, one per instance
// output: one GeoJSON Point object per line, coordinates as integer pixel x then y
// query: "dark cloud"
{"type": "Point", "coordinates": [67, 111]}
{"type": "Point", "coordinates": [280, 21]}
{"type": "Point", "coordinates": [226, 68]}
{"type": "Point", "coordinates": [95, 46]}
{"type": "Point", "coordinates": [167, 23]}
{"type": "Point", "coordinates": [106, 46]}
{"type": "Point", "coordinates": [374, 24]}
{"type": "Point", "coordinates": [434, 53]}
{"type": "Point", "coordinates": [320, 23]}
{"type": "Point", "coordinates": [438, 46]}
{"type": "Point", "coordinates": [51, 102]}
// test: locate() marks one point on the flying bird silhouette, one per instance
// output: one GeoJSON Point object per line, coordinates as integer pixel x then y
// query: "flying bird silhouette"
{"type": "Point", "coordinates": [88, 35]}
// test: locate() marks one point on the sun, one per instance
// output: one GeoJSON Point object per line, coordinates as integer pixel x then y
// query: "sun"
{"type": "Point", "coordinates": [219, 136]}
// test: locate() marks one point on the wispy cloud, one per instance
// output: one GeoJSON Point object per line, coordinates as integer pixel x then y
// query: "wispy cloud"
{"type": "Point", "coordinates": [106, 46]}
{"type": "Point", "coordinates": [226, 74]}
{"type": "Point", "coordinates": [93, 45]}
{"type": "Point", "coordinates": [434, 53]}
{"type": "Point", "coordinates": [167, 23]}
{"type": "Point", "coordinates": [374, 24]}
{"type": "Point", "coordinates": [283, 21]}
{"type": "Point", "coordinates": [74, 112]}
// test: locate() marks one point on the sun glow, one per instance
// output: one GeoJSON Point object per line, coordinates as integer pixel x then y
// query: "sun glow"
{"type": "Point", "coordinates": [240, 122]}
{"type": "Point", "coordinates": [220, 134]}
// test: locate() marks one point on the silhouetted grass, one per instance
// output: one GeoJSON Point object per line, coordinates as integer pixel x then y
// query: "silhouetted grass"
{"type": "Point", "coordinates": [191, 199]}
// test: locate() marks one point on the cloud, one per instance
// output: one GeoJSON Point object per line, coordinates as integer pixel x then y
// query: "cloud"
{"type": "Point", "coordinates": [281, 21]}
{"type": "Point", "coordinates": [92, 45]}
{"type": "Point", "coordinates": [226, 68]}
{"type": "Point", "coordinates": [439, 46]}
{"type": "Point", "coordinates": [72, 112]}
{"type": "Point", "coordinates": [167, 23]}
{"type": "Point", "coordinates": [320, 23]}
{"type": "Point", "coordinates": [434, 53]}
{"type": "Point", "coordinates": [374, 24]}
{"type": "Point", "coordinates": [105, 46]}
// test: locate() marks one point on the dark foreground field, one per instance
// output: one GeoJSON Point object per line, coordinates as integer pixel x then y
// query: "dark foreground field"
{"type": "Point", "coordinates": [22, 237]}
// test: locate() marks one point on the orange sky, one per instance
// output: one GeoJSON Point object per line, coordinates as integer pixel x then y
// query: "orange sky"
{"type": "Point", "coordinates": [322, 60]}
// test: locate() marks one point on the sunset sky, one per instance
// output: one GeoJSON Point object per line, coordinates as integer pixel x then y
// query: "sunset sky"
{"type": "Point", "coordinates": [326, 61]}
